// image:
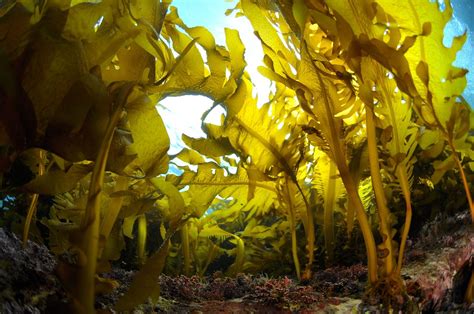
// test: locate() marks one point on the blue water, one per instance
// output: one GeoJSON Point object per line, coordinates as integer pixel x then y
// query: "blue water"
{"type": "Point", "coordinates": [464, 21]}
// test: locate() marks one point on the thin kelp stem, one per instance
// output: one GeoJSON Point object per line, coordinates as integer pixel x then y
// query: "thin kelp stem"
{"type": "Point", "coordinates": [464, 181]}
{"type": "Point", "coordinates": [29, 217]}
{"type": "Point", "coordinates": [294, 246]}
{"type": "Point", "coordinates": [186, 250]}
{"type": "Point", "coordinates": [383, 211]}
{"type": "Point", "coordinates": [34, 199]}
{"type": "Point", "coordinates": [142, 236]}
{"type": "Point", "coordinates": [239, 255]}
{"type": "Point", "coordinates": [310, 233]}
{"type": "Point", "coordinates": [404, 184]}
{"type": "Point", "coordinates": [469, 295]}
{"type": "Point", "coordinates": [294, 242]}
{"type": "Point", "coordinates": [329, 205]}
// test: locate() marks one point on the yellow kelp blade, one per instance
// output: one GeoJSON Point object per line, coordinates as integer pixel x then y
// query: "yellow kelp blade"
{"type": "Point", "coordinates": [211, 180]}
{"type": "Point", "coordinates": [190, 74]}
{"type": "Point", "coordinates": [150, 138]}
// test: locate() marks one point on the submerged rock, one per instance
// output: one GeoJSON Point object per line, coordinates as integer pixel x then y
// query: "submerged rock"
{"type": "Point", "coordinates": [27, 280]}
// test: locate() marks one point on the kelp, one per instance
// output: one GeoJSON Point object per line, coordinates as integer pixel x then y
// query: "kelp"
{"type": "Point", "coordinates": [311, 84]}
{"type": "Point", "coordinates": [94, 90]}
{"type": "Point", "coordinates": [371, 56]}
{"type": "Point", "coordinates": [362, 90]}
{"type": "Point", "coordinates": [433, 85]}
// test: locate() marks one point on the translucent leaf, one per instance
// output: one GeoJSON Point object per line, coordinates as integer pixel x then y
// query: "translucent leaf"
{"type": "Point", "coordinates": [209, 147]}
{"type": "Point", "coordinates": [127, 226]}
{"type": "Point", "coordinates": [175, 200]}
{"type": "Point", "coordinates": [256, 133]}
{"type": "Point", "coordinates": [236, 52]}
{"type": "Point", "coordinates": [210, 181]}
{"type": "Point", "coordinates": [150, 138]}
{"type": "Point", "coordinates": [190, 156]}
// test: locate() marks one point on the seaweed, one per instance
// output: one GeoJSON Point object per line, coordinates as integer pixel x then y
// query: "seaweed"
{"type": "Point", "coordinates": [365, 118]}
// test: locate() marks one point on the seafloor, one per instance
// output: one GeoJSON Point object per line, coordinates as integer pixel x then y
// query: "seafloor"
{"type": "Point", "coordinates": [438, 265]}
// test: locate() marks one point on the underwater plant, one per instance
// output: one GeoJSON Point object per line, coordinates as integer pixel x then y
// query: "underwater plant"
{"type": "Point", "coordinates": [361, 91]}
{"type": "Point", "coordinates": [372, 54]}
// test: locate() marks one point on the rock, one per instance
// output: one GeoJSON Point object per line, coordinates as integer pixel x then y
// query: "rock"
{"type": "Point", "coordinates": [27, 280]}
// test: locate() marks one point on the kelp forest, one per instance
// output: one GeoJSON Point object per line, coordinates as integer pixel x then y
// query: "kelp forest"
{"type": "Point", "coordinates": [348, 189]}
